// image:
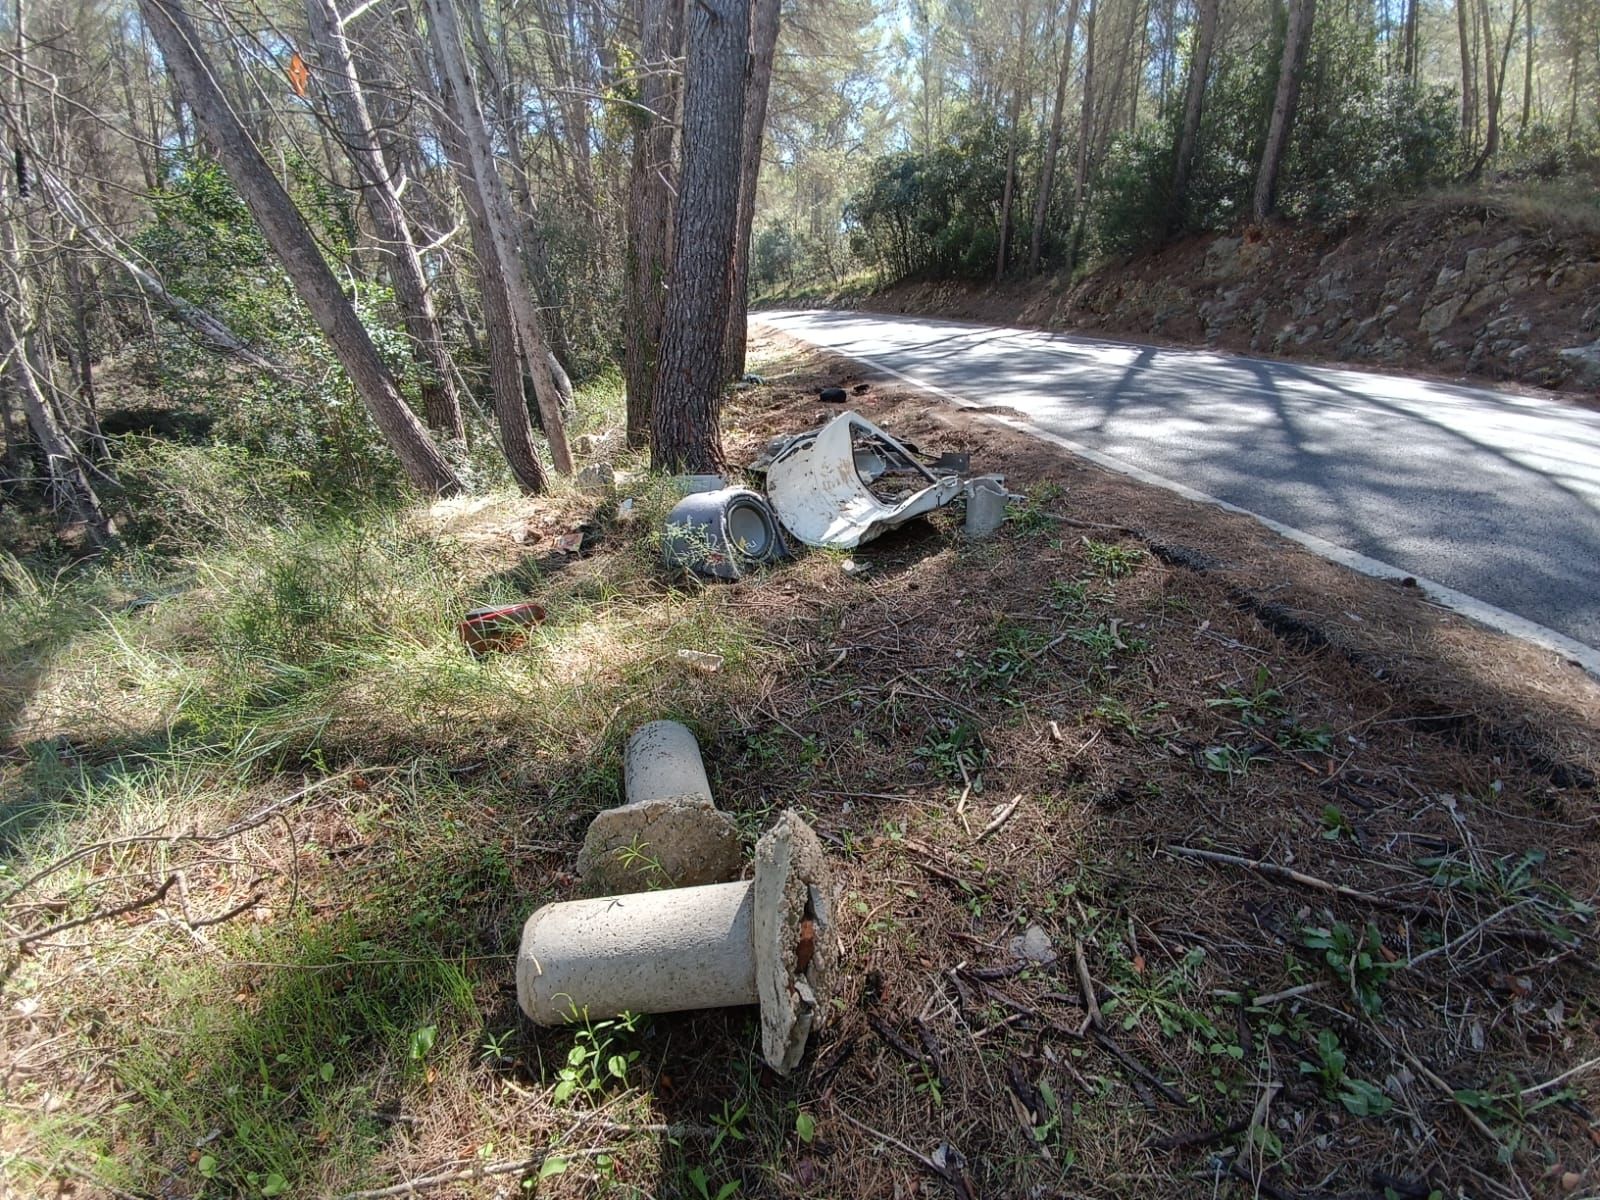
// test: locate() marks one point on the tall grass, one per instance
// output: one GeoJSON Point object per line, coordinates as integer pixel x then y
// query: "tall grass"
{"type": "Point", "coordinates": [346, 957]}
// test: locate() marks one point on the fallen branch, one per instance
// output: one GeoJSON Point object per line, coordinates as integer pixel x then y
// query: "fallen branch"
{"type": "Point", "coordinates": [1561, 1078]}
{"type": "Point", "coordinates": [244, 825]}
{"type": "Point", "coordinates": [1289, 875]}
{"type": "Point", "coordinates": [1136, 1067]}
{"type": "Point", "coordinates": [1449, 1093]}
{"type": "Point", "coordinates": [957, 1182]}
{"type": "Point", "coordinates": [1086, 986]}
{"type": "Point", "coordinates": [1000, 818]}
{"type": "Point", "coordinates": [1199, 1137]}
{"type": "Point", "coordinates": [155, 897]}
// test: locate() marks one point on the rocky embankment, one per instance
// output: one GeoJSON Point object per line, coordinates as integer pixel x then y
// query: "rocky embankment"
{"type": "Point", "coordinates": [1460, 290]}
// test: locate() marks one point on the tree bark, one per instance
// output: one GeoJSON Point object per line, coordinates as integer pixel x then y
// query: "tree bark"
{"type": "Point", "coordinates": [1193, 109]}
{"type": "Point", "coordinates": [1410, 63]}
{"type": "Point", "coordinates": [763, 47]}
{"type": "Point", "coordinates": [462, 106]}
{"type": "Point", "coordinates": [286, 231]}
{"type": "Point", "coordinates": [649, 216]}
{"type": "Point", "coordinates": [1469, 81]}
{"type": "Point", "coordinates": [65, 469]}
{"type": "Point", "coordinates": [1047, 168]}
{"type": "Point", "coordinates": [686, 407]}
{"type": "Point", "coordinates": [1014, 119]}
{"type": "Point", "coordinates": [1297, 37]}
{"type": "Point", "coordinates": [1080, 175]}
{"type": "Point", "coordinates": [1527, 71]}
{"type": "Point", "coordinates": [341, 84]}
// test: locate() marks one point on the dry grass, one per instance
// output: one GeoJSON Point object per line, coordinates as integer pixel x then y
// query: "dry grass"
{"type": "Point", "coordinates": [354, 1026]}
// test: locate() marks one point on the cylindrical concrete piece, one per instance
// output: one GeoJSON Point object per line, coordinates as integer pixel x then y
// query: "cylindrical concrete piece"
{"type": "Point", "coordinates": [662, 762]}
{"type": "Point", "coordinates": [650, 952]}
{"type": "Point", "coordinates": [986, 507]}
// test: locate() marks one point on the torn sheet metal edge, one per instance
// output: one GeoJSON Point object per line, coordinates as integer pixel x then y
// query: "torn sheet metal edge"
{"type": "Point", "coordinates": [819, 495]}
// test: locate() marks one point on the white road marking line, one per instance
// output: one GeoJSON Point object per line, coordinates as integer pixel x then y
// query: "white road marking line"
{"type": "Point", "coordinates": [1586, 656]}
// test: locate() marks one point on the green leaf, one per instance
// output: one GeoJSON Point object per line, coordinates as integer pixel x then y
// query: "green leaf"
{"type": "Point", "coordinates": [577, 1056]}
{"type": "Point", "coordinates": [325, 1072]}
{"type": "Point", "coordinates": [274, 1185]}
{"type": "Point", "coordinates": [422, 1041]}
{"type": "Point", "coordinates": [207, 1166]}
{"type": "Point", "coordinates": [805, 1125]}
{"type": "Point", "coordinates": [552, 1166]}
{"type": "Point", "coordinates": [617, 1065]}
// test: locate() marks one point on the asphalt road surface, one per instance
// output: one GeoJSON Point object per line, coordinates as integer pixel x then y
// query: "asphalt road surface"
{"type": "Point", "coordinates": [1493, 496]}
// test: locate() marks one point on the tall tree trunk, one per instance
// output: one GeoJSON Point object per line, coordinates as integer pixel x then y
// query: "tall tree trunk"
{"type": "Point", "coordinates": [1469, 81]}
{"type": "Point", "coordinates": [1572, 91]}
{"type": "Point", "coordinates": [1080, 175]}
{"type": "Point", "coordinates": [1410, 63]}
{"type": "Point", "coordinates": [462, 107]}
{"type": "Point", "coordinates": [763, 46]}
{"type": "Point", "coordinates": [1193, 108]}
{"type": "Point", "coordinates": [1047, 167]}
{"type": "Point", "coordinates": [686, 408]}
{"type": "Point", "coordinates": [1495, 78]}
{"type": "Point", "coordinates": [1491, 86]}
{"type": "Point", "coordinates": [1296, 38]}
{"type": "Point", "coordinates": [286, 231]}
{"type": "Point", "coordinates": [341, 83]}
{"type": "Point", "coordinates": [1014, 121]}
{"type": "Point", "coordinates": [1527, 71]}
{"type": "Point", "coordinates": [649, 217]}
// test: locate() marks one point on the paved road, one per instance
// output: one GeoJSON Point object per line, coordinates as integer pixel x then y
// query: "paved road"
{"type": "Point", "coordinates": [1490, 495]}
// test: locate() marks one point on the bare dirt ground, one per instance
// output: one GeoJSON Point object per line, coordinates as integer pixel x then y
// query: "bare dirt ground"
{"type": "Point", "coordinates": [1306, 867]}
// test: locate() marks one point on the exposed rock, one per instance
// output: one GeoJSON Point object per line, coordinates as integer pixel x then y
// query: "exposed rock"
{"type": "Point", "coordinates": [1034, 945]}
{"type": "Point", "coordinates": [1585, 361]}
{"type": "Point", "coordinates": [1435, 319]}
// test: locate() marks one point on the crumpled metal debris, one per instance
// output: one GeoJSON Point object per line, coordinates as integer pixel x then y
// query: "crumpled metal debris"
{"type": "Point", "coordinates": [850, 481]}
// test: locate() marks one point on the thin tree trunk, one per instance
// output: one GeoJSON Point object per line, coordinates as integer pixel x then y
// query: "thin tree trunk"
{"type": "Point", "coordinates": [1080, 176]}
{"type": "Point", "coordinates": [1193, 110]}
{"type": "Point", "coordinates": [65, 469]}
{"type": "Point", "coordinates": [1287, 98]}
{"type": "Point", "coordinates": [285, 230]}
{"type": "Point", "coordinates": [1527, 71]}
{"type": "Point", "coordinates": [1047, 168]}
{"type": "Point", "coordinates": [763, 47]}
{"type": "Point", "coordinates": [1469, 81]}
{"type": "Point", "coordinates": [1410, 65]}
{"type": "Point", "coordinates": [341, 83]}
{"type": "Point", "coordinates": [686, 407]}
{"type": "Point", "coordinates": [83, 357]}
{"type": "Point", "coordinates": [463, 108]}
{"type": "Point", "coordinates": [1494, 84]}
{"type": "Point", "coordinates": [649, 216]}
{"type": "Point", "coordinates": [1013, 118]}
{"type": "Point", "coordinates": [1572, 86]}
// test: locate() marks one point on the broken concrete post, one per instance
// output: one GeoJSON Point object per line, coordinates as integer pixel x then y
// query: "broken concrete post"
{"type": "Point", "coordinates": [662, 762]}
{"type": "Point", "coordinates": [669, 834]}
{"type": "Point", "coordinates": [986, 507]}
{"type": "Point", "coordinates": [768, 941]}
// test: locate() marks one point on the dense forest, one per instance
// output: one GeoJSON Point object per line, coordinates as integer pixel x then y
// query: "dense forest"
{"type": "Point", "coordinates": [986, 140]}
{"type": "Point", "coordinates": [382, 245]}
